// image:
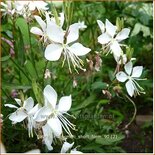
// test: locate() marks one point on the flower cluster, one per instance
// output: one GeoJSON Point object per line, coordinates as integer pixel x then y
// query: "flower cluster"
{"type": "Point", "coordinates": [49, 118]}
{"type": "Point", "coordinates": [110, 40]}
{"type": "Point", "coordinates": [23, 8]}
{"type": "Point", "coordinates": [61, 41]}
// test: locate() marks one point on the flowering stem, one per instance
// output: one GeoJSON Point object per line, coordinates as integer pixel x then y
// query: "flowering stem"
{"type": "Point", "coordinates": [32, 55]}
{"type": "Point", "coordinates": [135, 112]}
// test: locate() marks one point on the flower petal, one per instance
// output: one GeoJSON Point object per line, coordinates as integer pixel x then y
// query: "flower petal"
{"type": "Point", "coordinates": [28, 104]}
{"type": "Point", "coordinates": [65, 104]}
{"type": "Point", "coordinates": [19, 102]}
{"type": "Point", "coordinates": [37, 31]}
{"type": "Point", "coordinates": [34, 109]}
{"type": "Point", "coordinates": [40, 22]}
{"type": "Point", "coordinates": [48, 136]}
{"type": "Point", "coordinates": [74, 151]}
{"type": "Point", "coordinates": [55, 33]}
{"type": "Point", "coordinates": [104, 38]}
{"type": "Point", "coordinates": [51, 95]}
{"type": "Point", "coordinates": [73, 33]}
{"type": "Point", "coordinates": [34, 151]}
{"type": "Point", "coordinates": [18, 116]}
{"type": "Point", "coordinates": [66, 146]}
{"type": "Point", "coordinates": [123, 34]}
{"type": "Point", "coordinates": [110, 28]}
{"type": "Point", "coordinates": [128, 67]}
{"type": "Point", "coordinates": [78, 49]}
{"type": "Point", "coordinates": [10, 106]}
{"type": "Point", "coordinates": [42, 114]}
{"type": "Point", "coordinates": [121, 76]}
{"type": "Point", "coordinates": [137, 71]}
{"type": "Point", "coordinates": [53, 52]}
{"type": "Point", "coordinates": [101, 25]}
{"type": "Point", "coordinates": [130, 88]}
{"type": "Point", "coordinates": [55, 125]}
{"type": "Point", "coordinates": [115, 47]}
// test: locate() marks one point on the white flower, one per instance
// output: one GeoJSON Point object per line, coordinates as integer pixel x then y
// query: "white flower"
{"type": "Point", "coordinates": [7, 8]}
{"type": "Point", "coordinates": [43, 24]}
{"type": "Point", "coordinates": [54, 113]}
{"type": "Point", "coordinates": [67, 146]}
{"type": "Point", "coordinates": [131, 75]}
{"type": "Point", "coordinates": [110, 39]}
{"type": "Point", "coordinates": [74, 151]}
{"type": "Point", "coordinates": [31, 5]}
{"type": "Point", "coordinates": [23, 8]}
{"type": "Point", "coordinates": [27, 110]}
{"type": "Point", "coordinates": [65, 43]}
{"type": "Point", "coordinates": [82, 25]}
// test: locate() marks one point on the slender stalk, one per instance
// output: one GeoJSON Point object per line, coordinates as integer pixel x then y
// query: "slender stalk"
{"type": "Point", "coordinates": [134, 115]}
{"type": "Point", "coordinates": [32, 55]}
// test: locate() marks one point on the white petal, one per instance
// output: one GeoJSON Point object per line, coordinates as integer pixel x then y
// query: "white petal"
{"type": "Point", "coordinates": [121, 76]}
{"type": "Point", "coordinates": [101, 25]}
{"type": "Point", "coordinates": [78, 49]}
{"type": "Point", "coordinates": [18, 116]}
{"type": "Point", "coordinates": [19, 102]}
{"type": "Point", "coordinates": [62, 19]}
{"type": "Point", "coordinates": [55, 33]}
{"type": "Point", "coordinates": [75, 152]}
{"type": "Point", "coordinates": [73, 33]}
{"type": "Point", "coordinates": [137, 71]}
{"type": "Point", "coordinates": [130, 88]}
{"type": "Point", "coordinates": [110, 28]}
{"type": "Point", "coordinates": [51, 95]}
{"type": "Point", "coordinates": [65, 104]}
{"type": "Point", "coordinates": [37, 31]}
{"type": "Point", "coordinates": [55, 125]}
{"type": "Point", "coordinates": [53, 52]}
{"type": "Point", "coordinates": [42, 114]}
{"type": "Point", "coordinates": [34, 109]}
{"type": "Point", "coordinates": [128, 67]}
{"type": "Point", "coordinates": [104, 38]}
{"type": "Point", "coordinates": [10, 106]}
{"type": "Point", "coordinates": [28, 104]}
{"type": "Point", "coordinates": [40, 22]}
{"type": "Point", "coordinates": [123, 34]}
{"type": "Point", "coordinates": [33, 151]}
{"type": "Point", "coordinates": [66, 146]}
{"type": "Point", "coordinates": [115, 47]}
{"type": "Point", "coordinates": [32, 6]}
{"type": "Point", "coordinates": [48, 136]}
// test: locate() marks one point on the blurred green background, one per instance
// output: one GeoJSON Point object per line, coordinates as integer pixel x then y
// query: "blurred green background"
{"type": "Point", "coordinates": [99, 119]}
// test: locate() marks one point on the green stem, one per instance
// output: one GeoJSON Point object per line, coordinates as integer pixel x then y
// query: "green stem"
{"type": "Point", "coordinates": [135, 112]}
{"type": "Point", "coordinates": [32, 55]}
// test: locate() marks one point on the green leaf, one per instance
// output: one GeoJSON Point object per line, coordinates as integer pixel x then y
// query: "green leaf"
{"type": "Point", "coordinates": [22, 24]}
{"type": "Point", "coordinates": [5, 58]}
{"type": "Point", "coordinates": [109, 139]}
{"type": "Point", "coordinates": [85, 103]}
{"type": "Point", "coordinates": [30, 69]}
{"type": "Point", "coordinates": [37, 91]}
{"type": "Point", "coordinates": [141, 28]}
{"type": "Point", "coordinates": [99, 85]}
